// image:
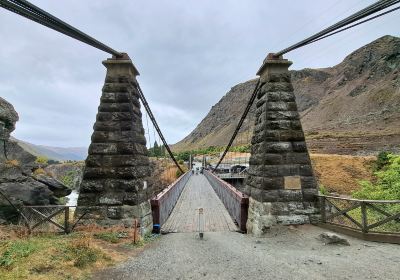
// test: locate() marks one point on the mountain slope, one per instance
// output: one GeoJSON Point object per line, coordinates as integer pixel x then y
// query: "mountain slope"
{"type": "Point", "coordinates": [350, 108]}
{"type": "Point", "coordinates": [55, 153]}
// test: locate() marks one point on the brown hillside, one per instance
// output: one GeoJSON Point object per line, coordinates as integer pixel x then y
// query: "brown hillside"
{"type": "Point", "coordinates": [351, 108]}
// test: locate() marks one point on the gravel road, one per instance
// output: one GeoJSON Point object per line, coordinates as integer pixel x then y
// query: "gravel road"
{"type": "Point", "coordinates": [288, 253]}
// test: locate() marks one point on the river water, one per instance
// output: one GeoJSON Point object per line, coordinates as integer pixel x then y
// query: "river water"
{"type": "Point", "coordinates": [72, 198]}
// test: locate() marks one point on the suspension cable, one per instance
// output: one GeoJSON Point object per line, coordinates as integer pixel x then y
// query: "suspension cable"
{"type": "Point", "coordinates": [34, 13]}
{"type": "Point", "coordinates": [249, 104]}
{"type": "Point", "coordinates": [358, 23]}
{"type": "Point", "coordinates": [376, 7]}
{"type": "Point", "coordinates": [153, 120]}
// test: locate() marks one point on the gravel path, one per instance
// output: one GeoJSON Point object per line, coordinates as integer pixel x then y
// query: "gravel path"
{"type": "Point", "coordinates": [289, 253]}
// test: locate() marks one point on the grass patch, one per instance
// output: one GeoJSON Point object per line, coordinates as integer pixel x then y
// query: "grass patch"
{"type": "Point", "coordinates": [51, 257]}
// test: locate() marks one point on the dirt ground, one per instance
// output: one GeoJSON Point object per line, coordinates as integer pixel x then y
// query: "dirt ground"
{"type": "Point", "coordinates": [341, 173]}
{"type": "Point", "coordinates": [291, 253]}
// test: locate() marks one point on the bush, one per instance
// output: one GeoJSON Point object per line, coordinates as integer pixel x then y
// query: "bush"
{"type": "Point", "coordinates": [42, 160]}
{"type": "Point", "coordinates": [81, 253]}
{"type": "Point", "coordinates": [382, 160]}
{"type": "Point", "coordinates": [387, 186]}
{"type": "Point", "coordinates": [323, 190]}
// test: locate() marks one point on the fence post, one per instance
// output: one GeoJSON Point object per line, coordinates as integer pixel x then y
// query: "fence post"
{"type": "Point", "coordinates": [66, 219]}
{"type": "Point", "coordinates": [364, 217]}
{"type": "Point", "coordinates": [323, 208]}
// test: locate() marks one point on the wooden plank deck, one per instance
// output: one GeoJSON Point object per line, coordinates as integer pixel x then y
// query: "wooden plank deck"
{"type": "Point", "coordinates": [198, 193]}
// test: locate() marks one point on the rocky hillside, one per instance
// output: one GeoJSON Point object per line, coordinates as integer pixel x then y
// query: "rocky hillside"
{"type": "Point", "coordinates": [22, 180]}
{"type": "Point", "coordinates": [350, 108]}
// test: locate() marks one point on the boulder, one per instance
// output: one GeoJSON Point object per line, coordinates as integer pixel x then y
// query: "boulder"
{"type": "Point", "coordinates": [58, 188]}
{"type": "Point", "coordinates": [8, 118]}
{"type": "Point", "coordinates": [333, 238]}
{"type": "Point", "coordinates": [18, 183]}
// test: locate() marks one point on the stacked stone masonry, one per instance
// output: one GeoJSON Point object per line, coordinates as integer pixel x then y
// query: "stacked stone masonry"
{"type": "Point", "coordinates": [280, 179]}
{"type": "Point", "coordinates": [117, 165]}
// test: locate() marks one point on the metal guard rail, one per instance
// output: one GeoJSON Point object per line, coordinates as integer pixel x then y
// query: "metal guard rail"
{"type": "Point", "coordinates": [235, 201]}
{"type": "Point", "coordinates": [163, 203]}
{"type": "Point", "coordinates": [374, 220]}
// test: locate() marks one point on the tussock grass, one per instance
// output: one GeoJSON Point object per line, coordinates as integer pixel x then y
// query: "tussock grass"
{"type": "Point", "coordinates": [57, 256]}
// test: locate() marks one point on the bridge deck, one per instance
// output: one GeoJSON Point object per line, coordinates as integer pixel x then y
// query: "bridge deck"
{"type": "Point", "coordinates": [198, 193]}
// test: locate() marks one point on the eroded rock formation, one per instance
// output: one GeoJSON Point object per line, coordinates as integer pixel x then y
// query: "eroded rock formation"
{"type": "Point", "coordinates": [19, 179]}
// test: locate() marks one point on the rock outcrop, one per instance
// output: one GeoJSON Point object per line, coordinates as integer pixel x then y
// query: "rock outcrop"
{"type": "Point", "coordinates": [351, 108]}
{"type": "Point", "coordinates": [20, 179]}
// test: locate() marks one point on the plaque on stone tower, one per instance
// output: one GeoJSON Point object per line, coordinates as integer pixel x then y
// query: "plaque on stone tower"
{"type": "Point", "coordinates": [280, 181]}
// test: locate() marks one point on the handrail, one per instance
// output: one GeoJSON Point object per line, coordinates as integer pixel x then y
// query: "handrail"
{"type": "Point", "coordinates": [236, 202]}
{"type": "Point", "coordinates": [375, 220]}
{"type": "Point", "coordinates": [164, 202]}
{"type": "Point", "coordinates": [360, 200]}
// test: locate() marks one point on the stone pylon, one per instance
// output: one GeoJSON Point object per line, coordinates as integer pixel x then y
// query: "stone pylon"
{"type": "Point", "coordinates": [117, 171]}
{"type": "Point", "coordinates": [281, 184]}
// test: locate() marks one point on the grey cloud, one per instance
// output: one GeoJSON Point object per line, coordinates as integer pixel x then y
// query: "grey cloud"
{"type": "Point", "coordinates": [189, 54]}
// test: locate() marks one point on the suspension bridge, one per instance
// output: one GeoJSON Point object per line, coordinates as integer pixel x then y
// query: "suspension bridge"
{"type": "Point", "coordinates": [277, 187]}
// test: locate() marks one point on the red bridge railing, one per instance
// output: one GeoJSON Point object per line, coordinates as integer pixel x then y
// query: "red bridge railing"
{"type": "Point", "coordinates": [235, 201]}
{"type": "Point", "coordinates": [164, 202]}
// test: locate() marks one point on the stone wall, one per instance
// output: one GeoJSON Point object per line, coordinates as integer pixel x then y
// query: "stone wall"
{"type": "Point", "coordinates": [117, 165]}
{"type": "Point", "coordinates": [280, 181]}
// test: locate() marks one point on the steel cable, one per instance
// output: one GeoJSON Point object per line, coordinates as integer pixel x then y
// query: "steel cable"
{"type": "Point", "coordinates": [376, 7]}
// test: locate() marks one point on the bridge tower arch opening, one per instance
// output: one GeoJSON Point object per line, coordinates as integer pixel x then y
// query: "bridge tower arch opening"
{"type": "Point", "coordinates": [280, 182]}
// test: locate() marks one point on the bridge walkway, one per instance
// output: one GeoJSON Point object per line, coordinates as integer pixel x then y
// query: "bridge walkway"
{"type": "Point", "coordinates": [198, 193]}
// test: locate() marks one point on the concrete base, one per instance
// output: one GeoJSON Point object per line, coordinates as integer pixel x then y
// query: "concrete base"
{"type": "Point", "coordinates": [263, 216]}
{"type": "Point", "coordinates": [124, 215]}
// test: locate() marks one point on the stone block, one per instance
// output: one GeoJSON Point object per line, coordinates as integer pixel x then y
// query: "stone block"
{"type": "Point", "coordinates": [297, 158]}
{"type": "Point", "coordinates": [291, 135]}
{"type": "Point", "coordinates": [115, 107]}
{"type": "Point", "coordinates": [272, 158]}
{"type": "Point", "coordinates": [280, 96]}
{"type": "Point", "coordinates": [282, 115]}
{"type": "Point", "coordinates": [279, 124]}
{"type": "Point", "coordinates": [103, 148]}
{"type": "Point", "coordinates": [277, 147]}
{"type": "Point", "coordinates": [116, 160]}
{"type": "Point", "coordinates": [290, 195]}
{"type": "Point", "coordinates": [114, 116]}
{"type": "Point", "coordinates": [268, 87]}
{"type": "Point", "coordinates": [299, 146]}
{"type": "Point", "coordinates": [272, 183]}
{"type": "Point", "coordinates": [310, 195]}
{"type": "Point", "coordinates": [308, 182]}
{"type": "Point", "coordinates": [305, 170]}
{"type": "Point", "coordinates": [288, 170]}
{"type": "Point", "coordinates": [131, 148]}
{"type": "Point", "coordinates": [117, 126]}
{"type": "Point", "coordinates": [293, 220]}
{"type": "Point", "coordinates": [115, 97]}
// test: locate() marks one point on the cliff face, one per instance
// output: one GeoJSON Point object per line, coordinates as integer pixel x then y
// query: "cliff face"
{"type": "Point", "coordinates": [350, 108]}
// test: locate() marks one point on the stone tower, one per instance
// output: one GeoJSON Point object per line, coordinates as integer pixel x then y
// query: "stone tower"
{"type": "Point", "coordinates": [117, 167]}
{"type": "Point", "coordinates": [280, 183]}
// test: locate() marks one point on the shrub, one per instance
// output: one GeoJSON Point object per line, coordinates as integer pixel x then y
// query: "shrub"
{"type": "Point", "coordinates": [42, 160]}
{"type": "Point", "coordinates": [39, 171]}
{"type": "Point", "coordinates": [82, 253]}
{"type": "Point", "coordinates": [387, 186]}
{"type": "Point", "coordinates": [323, 190]}
{"type": "Point", "coordinates": [12, 163]}
{"type": "Point", "coordinates": [382, 160]}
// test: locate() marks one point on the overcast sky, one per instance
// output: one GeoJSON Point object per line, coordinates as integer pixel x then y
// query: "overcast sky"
{"type": "Point", "coordinates": [189, 54]}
